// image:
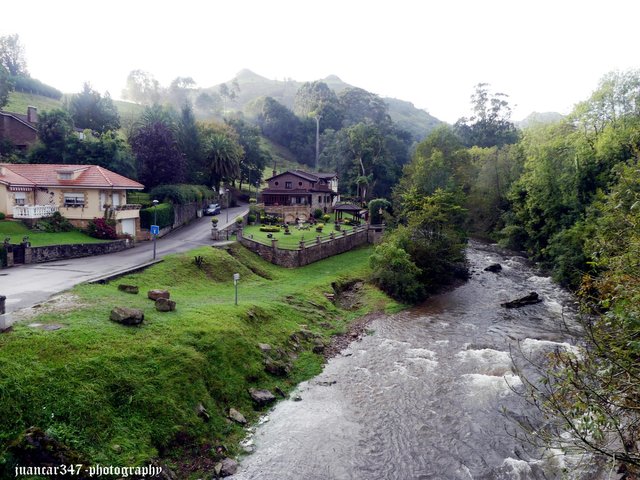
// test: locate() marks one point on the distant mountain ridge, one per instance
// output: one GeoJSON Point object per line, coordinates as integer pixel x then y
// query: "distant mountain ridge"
{"type": "Point", "coordinates": [253, 86]}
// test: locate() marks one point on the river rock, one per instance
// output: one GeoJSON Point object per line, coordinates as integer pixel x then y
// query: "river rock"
{"type": "Point", "coordinates": [236, 416]}
{"type": "Point", "coordinates": [128, 288]}
{"type": "Point", "coordinates": [494, 267]}
{"type": "Point", "coordinates": [165, 305]}
{"type": "Point", "coordinates": [530, 299]}
{"type": "Point", "coordinates": [276, 367]}
{"type": "Point", "coordinates": [127, 316]}
{"type": "Point", "coordinates": [226, 467]}
{"type": "Point", "coordinates": [261, 397]}
{"type": "Point", "coordinates": [156, 294]}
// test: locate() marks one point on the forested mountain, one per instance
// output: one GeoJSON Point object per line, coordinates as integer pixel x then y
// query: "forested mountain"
{"type": "Point", "coordinates": [535, 118]}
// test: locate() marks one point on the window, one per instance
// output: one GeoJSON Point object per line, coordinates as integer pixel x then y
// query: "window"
{"type": "Point", "coordinates": [288, 185]}
{"type": "Point", "coordinates": [276, 184]}
{"type": "Point", "coordinates": [74, 199]}
{"type": "Point", "coordinates": [20, 197]}
{"type": "Point", "coordinates": [319, 198]}
{"type": "Point", "coordinates": [299, 184]}
{"type": "Point", "coordinates": [65, 175]}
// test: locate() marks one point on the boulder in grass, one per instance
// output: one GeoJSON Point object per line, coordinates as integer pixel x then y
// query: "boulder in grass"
{"type": "Point", "coordinates": [156, 294]}
{"type": "Point", "coordinates": [236, 416]}
{"type": "Point", "coordinates": [165, 305]}
{"type": "Point", "coordinates": [127, 316]}
{"type": "Point", "coordinates": [128, 288]}
{"type": "Point", "coordinates": [226, 468]}
{"type": "Point", "coordinates": [261, 397]}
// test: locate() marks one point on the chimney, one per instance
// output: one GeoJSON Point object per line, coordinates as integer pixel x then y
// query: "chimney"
{"type": "Point", "coordinates": [32, 114]}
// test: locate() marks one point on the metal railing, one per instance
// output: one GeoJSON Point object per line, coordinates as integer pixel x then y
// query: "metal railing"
{"type": "Point", "coordinates": [34, 211]}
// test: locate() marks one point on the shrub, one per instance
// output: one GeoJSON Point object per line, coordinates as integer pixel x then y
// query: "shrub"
{"type": "Point", "coordinates": [181, 193]}
{"type": "Point", "coordinates": [326, 217]}
{"type": "Point", "coordinates": [239, 220]}
{"type": "Point", "coordinates": [56, 223]}
{"type": "Point", "coordinates": [395, 273]}
{"type": "Point", "coordinates": [270, 228]}
{"type": "Point", "coordinates": [319, 227]}
{"type": "Point", "coordinates": [251, 218]}
{"type": "Point", "coordinates": [164, 212]}
{"type": "Point", "coordinates": [2, 216]}
{"type": "Point", "coordinates": [215, 220]}
{"type": "Point", "coordinates": [317, 213]}
{"type": "Point", "coordinates": [252, 201]}
{"type": "Point", "coordinates": [101, 228]}
{"type": "Point", "coordinates": [375, 206]}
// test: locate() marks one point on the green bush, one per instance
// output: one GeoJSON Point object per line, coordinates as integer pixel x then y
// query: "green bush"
{"type": "Point", "coordinates": [2, 216]}
{"type": "Point", "coordinates": [251, 218]}
{"type": "Point", "coordinates": [270, 228]}
{"type": "Point", "coordinates": [239, 220]}
{"type": "Point", "coordinates": [181, 193]}
{"type": "Point", "coordinates": [56, 223]}
{"type": "Point", "coordinates": [317, 213]}
{"type": "Point", "coordinates": [395, 273]}
{"type": "Point", "coordinates": [101, 228]}
{"type": "Point", "coordinates": [164, 212]}
{"type": "Point", "coordinates": [139, 198]}
{"type": "Point", "coordinates": [326, 217]}
{"type": "Point", "coordinates": [375, 206]}
{"type": "Point", "coordinates": [31, 85]}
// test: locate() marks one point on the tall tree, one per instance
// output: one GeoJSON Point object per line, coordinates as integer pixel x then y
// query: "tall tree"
{"type": "Point", "coordinates": [91, 110]}
{"type": "Point", "coordinates": [255, 158]}
{"type": "Point", "coordinates": [180, 90]}
{"type": "Point", "coordinates": [190, 144]}
{"type": "Point", "coordinates": [12, 56]}
{"type": "Point", "coordinates": [142, 87]}
{"type": "Point", "coordinates": [222, 153]}
{"type": "Point", "coordinates": [490, 125]}
{"type": "Point", "coordinates": [55, 129]}
{"type": "Point", "coordinates": [6, 86]}
{"type": "Point", "coordinates": [360, 106]}
{"type": "Point", "coordinates": [154, 143]}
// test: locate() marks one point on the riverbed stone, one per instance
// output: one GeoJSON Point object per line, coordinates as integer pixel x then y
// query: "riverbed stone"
{"type": "Point", "coordinates": [156, 294]}
{"type": "Point", "coordinates": [236, 416]}
{"type": "Point", "coordinates": [226, 467]}
{"type": "Point", "coordinates": [530, 299]}
{"type": "Point", "coordinates": [129, 288]}
{"type": "Point", "coordinates": [165, 305]}
{"type": "Point", "coordinates": [261, 397]}
{"type": "Point", "coordinates": [494, 268]}
{"type": "Point", "coordinates": [127, 316]}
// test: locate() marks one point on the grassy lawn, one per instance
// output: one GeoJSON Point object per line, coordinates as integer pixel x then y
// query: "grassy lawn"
{"type": "Point", "coordinates": [16, 231]}
{"type": "Point", "coordinates": [292, 241]}
{"type": "Point", "coordinates": [122, 395]}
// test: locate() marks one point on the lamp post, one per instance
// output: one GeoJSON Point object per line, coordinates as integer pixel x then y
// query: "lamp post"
{"type": "Point", "coordinates": [155, 223]}
{"type": "Point", "coordinates": [226, 192]}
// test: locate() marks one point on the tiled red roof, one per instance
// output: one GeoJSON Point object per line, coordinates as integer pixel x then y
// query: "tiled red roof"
{"type": "Point", "coordinates": [312, 177]}
{"type": "Point", "coordinates": [46, 175]}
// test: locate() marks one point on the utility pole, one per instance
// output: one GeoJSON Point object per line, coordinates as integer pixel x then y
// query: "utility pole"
{"type": "Point", "coordinates": [317, 117]}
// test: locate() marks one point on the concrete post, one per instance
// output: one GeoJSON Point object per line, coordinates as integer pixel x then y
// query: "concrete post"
{"type": "Point", "coordinates": [274, 243]}
{"type": "Point", "coordinates": [2, 302]}
{"type": "Point", "coordinates": [318, 240]}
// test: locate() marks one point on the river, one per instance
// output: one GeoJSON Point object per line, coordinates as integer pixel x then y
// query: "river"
{"type": "Point", "coordinates": [422, 396]}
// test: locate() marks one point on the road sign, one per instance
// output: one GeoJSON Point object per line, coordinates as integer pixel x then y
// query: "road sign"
{"type": "Point", "coordinates": [236, 277]}
{"type": "Point", "coordinates": [155, 230]}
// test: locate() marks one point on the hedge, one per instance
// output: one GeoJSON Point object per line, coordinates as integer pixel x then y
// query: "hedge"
{"type": "Point", "coordinates": [164, 213]}
{"type": "Point", "coordinates": [181, 193]}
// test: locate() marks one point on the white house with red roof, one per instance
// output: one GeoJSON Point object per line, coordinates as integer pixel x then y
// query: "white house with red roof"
{"type": "Point", "coordinates": [79, 192]}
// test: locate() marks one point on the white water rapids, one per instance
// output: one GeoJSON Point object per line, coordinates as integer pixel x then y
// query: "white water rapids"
{"type": "Point", "coordinates": [422, 396]}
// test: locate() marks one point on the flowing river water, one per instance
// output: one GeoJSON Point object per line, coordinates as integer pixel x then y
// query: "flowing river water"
{"type": "Point", "coordinates": [423, 396]}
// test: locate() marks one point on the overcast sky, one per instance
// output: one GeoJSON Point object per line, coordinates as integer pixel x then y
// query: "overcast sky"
{"type": "Point", "coordinates": [545, 54]}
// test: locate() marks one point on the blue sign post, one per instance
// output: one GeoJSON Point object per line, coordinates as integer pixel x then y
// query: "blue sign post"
{"type": "Point", "coordinates": [155, 230]}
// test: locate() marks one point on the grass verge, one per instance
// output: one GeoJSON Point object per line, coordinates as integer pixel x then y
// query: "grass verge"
{"type": "Point", "coordinates": [16, 231]}
{"type": "Point", "coordinates": [122, 395]}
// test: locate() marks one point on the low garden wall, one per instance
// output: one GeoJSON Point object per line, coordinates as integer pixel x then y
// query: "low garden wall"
{"type": "Point", "coordinates": [310, 251]}
{"type": "Point", "coordinates": [52, 253]}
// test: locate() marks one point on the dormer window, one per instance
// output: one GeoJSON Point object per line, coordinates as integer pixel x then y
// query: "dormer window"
{"type": "Point", "coordinates": [65, 175]}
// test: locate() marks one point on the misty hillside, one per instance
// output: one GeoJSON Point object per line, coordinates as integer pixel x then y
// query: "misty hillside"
{"type": "Point", "coordinates": [539, 118]}
{"type": "Point", "coordinates": [253, 86]}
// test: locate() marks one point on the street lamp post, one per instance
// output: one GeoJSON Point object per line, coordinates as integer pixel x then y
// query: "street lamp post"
{"type": "Point", "coordinates": [155, 222]}
{"type": "Point", "coordinates": [226, 192]}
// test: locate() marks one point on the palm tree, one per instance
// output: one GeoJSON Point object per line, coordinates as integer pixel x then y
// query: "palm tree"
{"type": "Point", "coordinates": [223, 155]}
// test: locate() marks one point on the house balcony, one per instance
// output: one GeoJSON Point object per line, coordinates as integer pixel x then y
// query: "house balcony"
{"type": "Point", "coordinates": [33, 211]}
{"type": "Point", "coordinates": [130, 210]}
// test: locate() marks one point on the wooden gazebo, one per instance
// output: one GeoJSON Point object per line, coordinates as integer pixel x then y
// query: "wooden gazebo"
{"type": "Point", "coordinates": [356, 211]}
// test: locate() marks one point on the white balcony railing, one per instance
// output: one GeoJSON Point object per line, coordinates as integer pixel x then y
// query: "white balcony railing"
{"type": "Point", "coordinates": [34, 211]}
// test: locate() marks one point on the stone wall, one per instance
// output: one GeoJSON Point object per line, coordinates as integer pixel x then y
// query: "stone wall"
{"type": "Point", "coordinates": [311, 252]}
{"type": "Point", "coordinates": [59, 252]}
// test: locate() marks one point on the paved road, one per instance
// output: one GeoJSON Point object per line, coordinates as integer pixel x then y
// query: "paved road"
{"type": "Point", "coordinates": [27, 285]}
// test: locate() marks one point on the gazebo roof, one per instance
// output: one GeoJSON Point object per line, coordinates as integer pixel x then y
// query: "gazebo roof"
{"type": "Point", "coordinates": [348, 207]}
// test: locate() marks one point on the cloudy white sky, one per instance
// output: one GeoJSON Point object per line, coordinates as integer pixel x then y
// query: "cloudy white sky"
{"type": "Point", "coordinates": [545, 54]}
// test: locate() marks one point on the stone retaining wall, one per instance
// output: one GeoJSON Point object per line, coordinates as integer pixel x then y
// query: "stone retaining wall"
{"type": "Point", "coordinates": [311, 252]}
{"type": "Point", "coordinates": [52, 253]}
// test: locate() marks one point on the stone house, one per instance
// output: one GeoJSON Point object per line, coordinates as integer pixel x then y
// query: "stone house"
{"type": "Point", "coordinates": [297, 194]}
{"type": "Point", "coordinates": [81, 193]}
{"type": "Point", "coordinates": [19, 129]}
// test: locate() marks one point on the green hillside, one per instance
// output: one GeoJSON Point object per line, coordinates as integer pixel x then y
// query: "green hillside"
{"type": "Point", "coordinates": [18, 102]}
